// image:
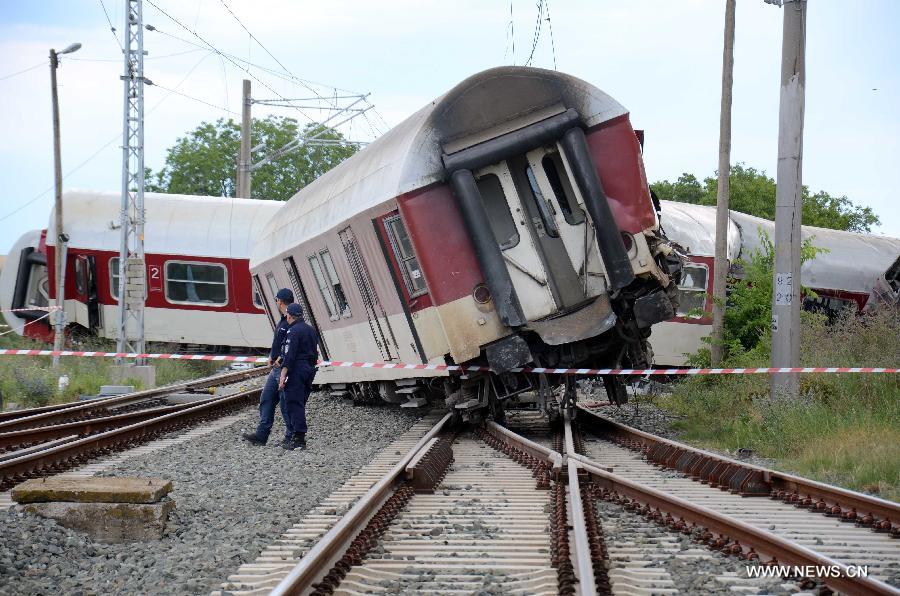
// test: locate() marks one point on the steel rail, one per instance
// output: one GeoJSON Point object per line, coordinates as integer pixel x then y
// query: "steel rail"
{"type": "Point", "coordinates": [32, 436]}
{"type": "Point", "coordinates": [330, 548]}
{"type": "Point", "coordinates": [762, 542]}
{"type": "Point", "coordinates": [64, 456]}
{"type": "Point", "coordinates": [715, 469]}
{"type": "Point", "coordinates": [57, 414]}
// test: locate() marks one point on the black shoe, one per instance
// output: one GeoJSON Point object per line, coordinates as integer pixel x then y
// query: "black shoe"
{"type": "Point", "coordinates": [298, 441]}
{"type": "Point", "coordinates": [253, 439]}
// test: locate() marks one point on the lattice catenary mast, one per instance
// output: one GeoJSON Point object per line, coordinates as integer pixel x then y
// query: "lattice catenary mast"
{"type": "Point", "coordinates": [132, 268]}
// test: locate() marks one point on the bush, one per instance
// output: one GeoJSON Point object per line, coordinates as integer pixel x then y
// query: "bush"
{"type": "Point", "coordinates": [35, 386]}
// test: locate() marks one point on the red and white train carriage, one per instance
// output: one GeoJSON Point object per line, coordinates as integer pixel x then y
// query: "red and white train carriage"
{"type": "Point", "coordinates": [843, 276]}
{"type": "Point", "coordinates": [507, 223]}
{"type": "Point", "coordinates": [199, 291]}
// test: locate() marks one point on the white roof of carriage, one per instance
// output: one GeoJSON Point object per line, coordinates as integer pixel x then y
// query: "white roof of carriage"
{"type": "Point", "coordinates": [853, 261]}
{"type": "Point", "coordinates": [694, 228]}
{"type": "Point", "coordinates": [175, 224]}
{"type": "Point", "coordinates": [409, 155]}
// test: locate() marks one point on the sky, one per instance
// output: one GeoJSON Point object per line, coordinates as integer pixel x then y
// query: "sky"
{"type": "Point", "coordinates": [662, 59]}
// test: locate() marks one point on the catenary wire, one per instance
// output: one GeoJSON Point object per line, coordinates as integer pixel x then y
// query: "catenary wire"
{"type": "Point", "coordinates": [15, 74]}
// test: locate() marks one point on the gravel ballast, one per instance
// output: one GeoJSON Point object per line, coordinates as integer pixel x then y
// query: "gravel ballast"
{"type": "Point", "coordinates": [232, 499]}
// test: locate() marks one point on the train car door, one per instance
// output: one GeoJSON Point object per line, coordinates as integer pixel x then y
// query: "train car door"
{"type": "Point", "coordinates": [303, 301]}
{"type": "Point", "coordinates": [86, 287]}
{"type": "Point", "coordinates": [378, 320]}
{"type": "Point", "coordinates": [532, 236]}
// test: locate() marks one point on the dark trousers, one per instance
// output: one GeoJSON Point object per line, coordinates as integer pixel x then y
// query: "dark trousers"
{"type": "Point", "coordinates": [296, 392]}
{"type": "Point", "coordinates": [268, 398]}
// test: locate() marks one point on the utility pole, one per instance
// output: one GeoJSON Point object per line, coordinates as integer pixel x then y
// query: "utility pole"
{"type": "Point", "coordinates": [789, 202]}
{"type": "Point", "coordinates": [132, 267]}
{"type": "Point", "coordinates": [243, 171]}
{"type": "Point", "coordinates": [720, 269]}
{"type": "Point", "coordinates": [61, 239]}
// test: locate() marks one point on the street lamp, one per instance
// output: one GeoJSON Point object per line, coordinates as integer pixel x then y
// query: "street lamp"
{"type": "Point", "coordinates": [60, 236]}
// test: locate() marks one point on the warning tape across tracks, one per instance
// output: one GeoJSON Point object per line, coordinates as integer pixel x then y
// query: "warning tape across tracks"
{"type": "Point", "coordinates": [588, 372]}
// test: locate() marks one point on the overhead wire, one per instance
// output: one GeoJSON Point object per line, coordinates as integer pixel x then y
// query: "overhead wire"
{"type": "Point", "coordinates": [112, 28]}
{"type": "Point", "coordinates": [15, 74]}
{"type": "Point", "coordinates": [220, 53]}
{"type": "Point", "coordinates": [265, 49]}
{"type": "Point", "coordinates": [552, 41]}
{"type": "Point", "coordinates": [537, 31]}
{"type": "Point", "coordinates": [115, 138]}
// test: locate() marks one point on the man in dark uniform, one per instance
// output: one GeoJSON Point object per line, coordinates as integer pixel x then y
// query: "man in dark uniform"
{"type": "Point", "coordinates": [298, 369]}
{"type": "Point", "coordinates": [271, 394]}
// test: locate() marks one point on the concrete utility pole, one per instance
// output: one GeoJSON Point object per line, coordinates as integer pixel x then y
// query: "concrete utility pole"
{"type": "Point", "coordinates": [720, 273]}
{"type": "Point", "coordinates": [243, 171]}
{"type": "Point", "coordinates": [60, 254]}
{"type": "Point", "coordinates": [789, 202]}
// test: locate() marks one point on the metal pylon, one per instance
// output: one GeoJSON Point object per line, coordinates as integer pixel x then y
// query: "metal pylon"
{"type": "Point", "coordinates": [132, 268]}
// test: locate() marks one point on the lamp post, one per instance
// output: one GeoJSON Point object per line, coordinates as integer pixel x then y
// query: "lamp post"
{"type": "Point", "coordinates": [58, 224]}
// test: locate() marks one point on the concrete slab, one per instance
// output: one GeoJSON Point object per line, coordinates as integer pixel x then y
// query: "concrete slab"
{"type": "Point", "coordinates": [187, 398]}
{"type": "Point", "coordinates": [125, 372]}
{"type": "Point", "coordinates": [109, 522]}
{"type": "Point", "coordinates": [95, 489]}
{"type": "Point", "coordinates": [116, 389]}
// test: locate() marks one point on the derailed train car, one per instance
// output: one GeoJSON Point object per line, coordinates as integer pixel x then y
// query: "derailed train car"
{"type": "Point", "coordinates": [851, 270]}
{"type": "Point", "coordinates": [507, 223]}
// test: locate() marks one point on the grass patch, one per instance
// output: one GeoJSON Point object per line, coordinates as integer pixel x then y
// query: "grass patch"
{"type": "Point", "coordinates": [32, 381]}
{"type": "Point", "coordinates": [844, 427]}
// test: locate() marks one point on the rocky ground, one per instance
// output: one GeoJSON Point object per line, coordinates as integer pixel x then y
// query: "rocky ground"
{"type": "Point", "coordinates": [232, 499]}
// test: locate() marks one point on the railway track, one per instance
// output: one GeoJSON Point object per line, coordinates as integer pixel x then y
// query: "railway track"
{"type": "Point", "coordinates": [54, 440]}
{"type": "Point", "coordinates": [489, 510]}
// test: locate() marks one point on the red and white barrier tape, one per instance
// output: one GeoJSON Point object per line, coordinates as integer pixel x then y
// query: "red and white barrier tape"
{"type": "Point", "coordinates": [588, 372]}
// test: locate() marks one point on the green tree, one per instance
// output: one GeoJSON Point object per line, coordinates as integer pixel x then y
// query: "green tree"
{"type": "Point", "coordinates": [753, 192]}
{"type": "Point", "coordinates": [204, 161]}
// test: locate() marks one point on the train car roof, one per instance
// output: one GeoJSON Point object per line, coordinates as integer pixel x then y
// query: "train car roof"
{"type": "Point", "coordinates": [853, 261]}
{"type": "Point", "coordinates": [408, 156]}
{"type": "Point", "coordinates": [175, 224]}
{"type": "Point", "coordinates": [694, 228]}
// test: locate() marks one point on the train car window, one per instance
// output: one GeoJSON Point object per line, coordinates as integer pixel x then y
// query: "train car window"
{"type": "Point", "coordinates": [343, 305]}
{"type": "Point", "coordinates": [562, 189]}
{"type": "Point", "coordinates": [692, 290]}
{"type": "Point", "coordinates": [257, 301]}
{"type": "Point", "coordinates": [544, 208]}
{"type": "Point", "coordinates": [406, 256]}
{"type": "Point", "coordinates": [114, 277]}
{"type": "Point", "coordinates": [323, 287]}
{"type": "Point", "coordinates": [498, 213]}
{"type": "Point", "coordinates": [196, 283]}
{"type": "Point", "coordinates": [81, 276]}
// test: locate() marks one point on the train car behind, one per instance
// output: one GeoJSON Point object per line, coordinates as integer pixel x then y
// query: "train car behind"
{"type": "Point", "coordinates": [199, 292]}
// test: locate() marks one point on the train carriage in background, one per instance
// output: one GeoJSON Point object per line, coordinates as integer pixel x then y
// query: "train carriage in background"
{"type": "Point", "coordinates": [507, 223]}
{"type": "Point", "coordinates": [842, 277]}
{"type": "Point", "coordinates": [199, 291]}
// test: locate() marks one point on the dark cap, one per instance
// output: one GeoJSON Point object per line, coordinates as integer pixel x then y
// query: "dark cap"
{"type": "Point", "coordinates": [294, 310]}
{"type": "Point", "coordinates": [285, 295]}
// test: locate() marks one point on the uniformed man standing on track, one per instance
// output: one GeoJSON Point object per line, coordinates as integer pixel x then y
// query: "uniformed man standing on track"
{"type": "Point", "coordinates": [271, 393]}
{"type": "Point", "coordinates": [298, 369]}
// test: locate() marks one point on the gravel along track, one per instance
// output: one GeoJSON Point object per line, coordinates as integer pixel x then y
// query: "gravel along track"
{"type": "Point", "coordinates": [843, 542]}
{"type": "Point", "coordinates": [231, 500]}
